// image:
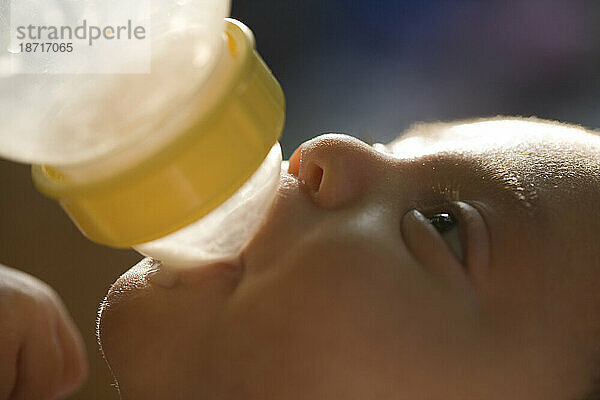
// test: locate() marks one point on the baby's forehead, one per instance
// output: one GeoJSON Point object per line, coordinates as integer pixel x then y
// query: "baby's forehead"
{"type": "Point", "coordinates": [533, 149]}
{"type": "Point", "coordinates": [500, 136]}
{"type": "Point", "coordinates": [546, 161]}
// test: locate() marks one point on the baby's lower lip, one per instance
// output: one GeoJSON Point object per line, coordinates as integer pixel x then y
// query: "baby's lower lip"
{"type": "Point", "coordinates": [231, 269]}
{"type": "Point", "coordinates": [168, 278]}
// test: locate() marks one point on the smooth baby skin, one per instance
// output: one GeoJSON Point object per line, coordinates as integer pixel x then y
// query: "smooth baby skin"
{"type": "Point", "coordinates": [348, 291]}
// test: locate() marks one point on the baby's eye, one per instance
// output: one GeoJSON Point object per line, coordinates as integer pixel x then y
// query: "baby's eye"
{"type": "Point", "coordinates": [443, 222]}
{"type": "Point", "coordinates": [447, 226]}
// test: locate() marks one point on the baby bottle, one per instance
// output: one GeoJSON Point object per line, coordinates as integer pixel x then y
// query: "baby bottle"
{"type": "Point", "coordinates": [180, 162]}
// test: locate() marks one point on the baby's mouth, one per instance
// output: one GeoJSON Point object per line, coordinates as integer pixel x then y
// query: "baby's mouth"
{"type": "Point", "coordinates": [290, 217]}
{"type": "Point", "coordinates": [167, 277]}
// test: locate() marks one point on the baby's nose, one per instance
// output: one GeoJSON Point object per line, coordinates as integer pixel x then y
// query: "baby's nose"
{"type": "Point", "coordinates": [334, 167]}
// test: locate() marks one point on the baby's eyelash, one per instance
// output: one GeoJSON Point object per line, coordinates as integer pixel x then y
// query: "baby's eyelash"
{"type": "Point", "coordinates": [448, 192]}
{"type": "Point", "coordinates": [447, 226]}
{"type": "Point", "coordinates": [442, 222]}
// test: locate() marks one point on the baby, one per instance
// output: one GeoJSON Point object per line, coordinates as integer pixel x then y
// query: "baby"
{"type": "Point", "coordinates": [458, 262]}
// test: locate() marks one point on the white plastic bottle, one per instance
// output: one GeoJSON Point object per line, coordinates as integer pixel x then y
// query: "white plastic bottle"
{"type": "Point", "coordinates": [181, 164]}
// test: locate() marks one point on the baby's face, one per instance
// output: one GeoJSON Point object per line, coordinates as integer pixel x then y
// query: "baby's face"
{"type": "Point", "coordinates": [349, 292]}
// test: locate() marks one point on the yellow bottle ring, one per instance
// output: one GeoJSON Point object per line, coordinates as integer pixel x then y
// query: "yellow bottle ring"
{"type": "Point", "coordinates": [196, 172]}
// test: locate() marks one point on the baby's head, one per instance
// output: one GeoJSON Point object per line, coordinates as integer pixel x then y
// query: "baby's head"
{"type": "Point", "coordinates": [458, 262]}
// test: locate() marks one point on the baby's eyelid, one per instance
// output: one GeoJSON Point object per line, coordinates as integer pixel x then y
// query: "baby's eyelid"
{"type": "Point", "coordinates": [444, 214]}
{"type": "Point", "coordinates": [430, 250]}
{"type": "Point", "coordinates": [474, 238]}
{"type": "Point", "coordinates": [451, 231]}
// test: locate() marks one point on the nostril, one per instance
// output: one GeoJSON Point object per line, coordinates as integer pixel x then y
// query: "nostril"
{"type": "Point", "coordinates": [314, 177]}
{"type": "Point", "coordinates": [335, 169]}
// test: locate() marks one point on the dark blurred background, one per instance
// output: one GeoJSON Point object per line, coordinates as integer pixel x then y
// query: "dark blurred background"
{"type": "Point", "coordinates": [367, 68]}
{"type": "Point", "coordinates": [372, 68]}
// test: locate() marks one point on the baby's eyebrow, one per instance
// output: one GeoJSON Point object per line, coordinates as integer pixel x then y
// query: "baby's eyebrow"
{"type": "Point", "coordinates": [525, 194]}
{"type": "Point", "coordinates": [494, 175]}
{"type": "Point", "coordinates": [529, 170]}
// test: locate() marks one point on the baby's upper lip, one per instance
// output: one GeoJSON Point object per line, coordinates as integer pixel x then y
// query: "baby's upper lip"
{"type": "Point", "coordinates": [289, 186]}
{"type": "Point", "coordinates": [283, 221]}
